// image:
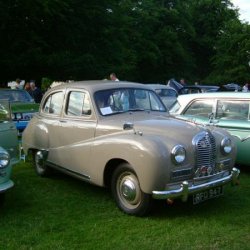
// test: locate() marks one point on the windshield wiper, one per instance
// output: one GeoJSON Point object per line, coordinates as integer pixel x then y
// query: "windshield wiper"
{"type": "Point", "coordinates": [136, 109]}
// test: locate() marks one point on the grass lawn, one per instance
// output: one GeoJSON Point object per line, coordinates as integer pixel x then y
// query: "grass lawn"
{"type": "Point", "coordinates": [64, 213]}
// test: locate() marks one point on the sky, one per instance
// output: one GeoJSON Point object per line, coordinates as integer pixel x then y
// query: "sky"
{"type": "Point", "coordinates": [244, 9]}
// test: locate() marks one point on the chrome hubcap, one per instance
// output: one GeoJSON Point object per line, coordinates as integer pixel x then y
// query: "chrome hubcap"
{"type": "Point", "coordinates": [39, 159]}
{"type": "Point", "coordinates": [128, 190]}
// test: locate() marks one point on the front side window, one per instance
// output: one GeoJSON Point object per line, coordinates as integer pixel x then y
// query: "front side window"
{"type": "Point", "coordinates": [128, 99]}
{"type": "Point", "coordinates": [78, 104]}
{"type": "Point", "coordinates": [54, 103]}
{"type": "Point", "coordinates": [232, 110]}
{"type": "Point", "coordinates": [200, 108]}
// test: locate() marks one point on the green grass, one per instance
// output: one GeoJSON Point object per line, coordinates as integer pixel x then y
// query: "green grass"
{"type": "Point", "coordinates": [64, 213]}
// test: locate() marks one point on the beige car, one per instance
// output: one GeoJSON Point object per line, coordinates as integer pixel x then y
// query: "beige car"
{"type": "Point", "coordinates": [119, 135]}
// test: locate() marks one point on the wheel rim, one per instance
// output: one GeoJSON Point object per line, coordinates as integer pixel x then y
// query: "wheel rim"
{"type": "Point", "coordinates": [128, 190]}
{"type": "Point", "coordinates": [39, 161]}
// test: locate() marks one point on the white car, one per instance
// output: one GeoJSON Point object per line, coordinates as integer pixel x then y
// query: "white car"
{"type": "Point", "coordinates": [228, 110]}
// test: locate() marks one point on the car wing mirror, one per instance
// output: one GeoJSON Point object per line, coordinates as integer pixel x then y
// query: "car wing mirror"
{"type": "Point", "coordinates": [211, 118]}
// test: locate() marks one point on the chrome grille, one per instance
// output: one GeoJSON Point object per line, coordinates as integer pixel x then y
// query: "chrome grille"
{"type": "Point", "coordinates": [205, 153]}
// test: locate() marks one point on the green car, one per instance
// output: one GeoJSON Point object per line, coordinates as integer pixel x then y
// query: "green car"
{"type": "Point", "coordinates": [9, 147]}
{"type": "Point", "coordinates": [23, 106]}
{"type": "Point", "coordinates": [229, 110]}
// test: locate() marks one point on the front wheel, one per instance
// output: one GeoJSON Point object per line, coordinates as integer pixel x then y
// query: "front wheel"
{"type": "Point", "coordinates": [39, 163]}
{"type": "Point", "coordinates": [127, 192]}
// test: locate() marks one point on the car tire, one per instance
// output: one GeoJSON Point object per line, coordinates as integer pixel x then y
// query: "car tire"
{"type": "Point", "coordinates": [41, 168]}
{"type": "Point", "coordinates": [127, 193]}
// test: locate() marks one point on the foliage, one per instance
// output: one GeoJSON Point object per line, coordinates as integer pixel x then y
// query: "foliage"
{"type": "Point", "coordinates": [45, 83]}
{"type": "Point", "coordinates": [232, 57]}
{"type": "Point", "coordinates": [146, 41]}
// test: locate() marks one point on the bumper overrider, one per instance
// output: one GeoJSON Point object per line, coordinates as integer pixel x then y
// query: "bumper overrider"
{"type": "Point", "coordinates": [187, 189]}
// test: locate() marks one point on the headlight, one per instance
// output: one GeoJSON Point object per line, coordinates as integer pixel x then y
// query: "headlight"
{"type": "Point", "coordinates": [226, 146]}
{"type": "Point", "coordinates": [4, 158]}
{"type": "Point", "coordinates": [178, 154]}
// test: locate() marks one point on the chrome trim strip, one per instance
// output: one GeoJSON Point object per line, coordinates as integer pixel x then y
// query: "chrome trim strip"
{"type": "Point", "coordinates": [70, 172]}
{"type": "Point", "coordinates": [185, 189]}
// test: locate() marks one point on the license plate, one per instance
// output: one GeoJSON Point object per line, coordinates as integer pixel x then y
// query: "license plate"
{"type": "Point", "coordinates": [207, 194]}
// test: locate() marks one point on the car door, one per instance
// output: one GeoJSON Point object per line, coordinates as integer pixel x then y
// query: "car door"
{"type": "Point", "coordinates": [73, 134]}
{"type": "Point", "coordinates": [233, 115]}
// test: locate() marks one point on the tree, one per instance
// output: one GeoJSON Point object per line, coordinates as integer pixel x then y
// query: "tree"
{"type": "Point", "coordinates": [231, 61]}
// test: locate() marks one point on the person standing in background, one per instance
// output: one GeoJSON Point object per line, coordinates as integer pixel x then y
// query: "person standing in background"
{"type": "Point", "coordinates": [246, 87]}
{"type": "Point", "coordinates": [182, 81]}
{"type": "Point", "coordinates": [113, 77]}
{"type": "Point", "coordinates": [35, 92]}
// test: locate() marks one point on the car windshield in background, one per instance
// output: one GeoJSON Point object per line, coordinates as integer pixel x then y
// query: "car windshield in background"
{"type": "Point", "coordinates": [15, 95]}
{"type": "Point", "coordinates": [4, 111]}
{"type": "Point", "coordinates": [122, 100]}
{"type": "Point", "coordinates": [166, 92]}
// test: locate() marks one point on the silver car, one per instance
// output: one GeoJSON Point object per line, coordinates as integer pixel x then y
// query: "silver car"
{"type": "Point", "coordinates": [120, 135]}
{"type": "Point", "coordinates": [167, 94]}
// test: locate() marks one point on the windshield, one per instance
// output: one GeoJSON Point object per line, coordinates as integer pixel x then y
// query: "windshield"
{"type": "Point", "coordinates": [122, 100]}
{"type": "Point", "coordinates": [15, 95]}
{"type": "Point", "coordinates": [4, 111]}
{"type": "Point", "coordinates": [175, 107]}
{"type": "Point", "coordinates": [166, 92]}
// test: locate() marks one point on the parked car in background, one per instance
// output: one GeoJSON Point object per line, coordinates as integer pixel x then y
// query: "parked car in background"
{"type": "Point", "coordinates": [167, 94]}
{"type": "Point", "coordinates": [23, 106]}
{"type": "Point", "coordinates": [230, 87]}
{"type": "Point", "coordinates": [120, 135]}
{"type": "Point", "coordinates": [9, 149]}
{"type": "Point", "coordinates": [192, 89]}
{"type": "Point", "coordinates": [228, 110]}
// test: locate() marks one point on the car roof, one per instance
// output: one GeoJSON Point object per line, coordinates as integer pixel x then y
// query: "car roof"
{"type": "Point", "coordinates": [184, 99]}
{"type": "Point", "coordinates": [9, 89]}
{"type": "Point", "coordinates": [201, 86]}
{"type": "Point", "coordinates": [94, 85]}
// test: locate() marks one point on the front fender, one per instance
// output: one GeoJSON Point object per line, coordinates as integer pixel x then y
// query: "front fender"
{"type": "Point", "coordinates": [149, 157]}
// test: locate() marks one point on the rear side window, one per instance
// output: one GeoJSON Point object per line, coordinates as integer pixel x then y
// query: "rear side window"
{"type": "Point", "coordinates": [78, 104]}
{"type": "Point", "coordinates": [54, 103]}
{"type": "Point", "coordinates": [232, 110]}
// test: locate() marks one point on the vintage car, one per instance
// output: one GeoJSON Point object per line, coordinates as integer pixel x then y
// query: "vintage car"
{"type": "Point", "coordinates": [120, 135]}
{"type": "Point", "coordinates": [228, 110]}
{"type": "Point", "coordinates": [167, 94]}
{"type": "Point", "coordinates": [9, 148]}
{"type": "Point", "coordinates": [191, 89]}
{"type": "Point", "coordinates": [22, 106]}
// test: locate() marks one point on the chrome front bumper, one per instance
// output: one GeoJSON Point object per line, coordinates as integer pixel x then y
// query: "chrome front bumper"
{"type": "Point", "coordinates": [186, 189]}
